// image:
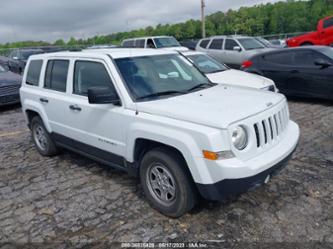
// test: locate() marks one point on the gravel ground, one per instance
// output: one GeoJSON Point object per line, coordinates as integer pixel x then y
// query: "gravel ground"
{"type": "Point", "coordinates": [70, 199]}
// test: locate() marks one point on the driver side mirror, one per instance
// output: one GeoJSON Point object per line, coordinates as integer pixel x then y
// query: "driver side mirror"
{"type": "Point", "coordinates": [237, 48]}
{"type": "Point", "coordinates": [103, 95]}
{"type": "Point", "coordinates": [322, 62]}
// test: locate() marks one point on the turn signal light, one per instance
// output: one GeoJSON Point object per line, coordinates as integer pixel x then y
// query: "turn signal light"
{"type": "Point", "coordinates": [210, 155]}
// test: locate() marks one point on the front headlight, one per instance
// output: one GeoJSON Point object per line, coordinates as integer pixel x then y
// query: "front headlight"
{"type": "Point", "coordinates": [239, 137]}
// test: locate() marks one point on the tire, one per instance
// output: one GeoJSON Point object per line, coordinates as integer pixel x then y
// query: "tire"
{"type": "Point", "coordinates": [307, 44]}
{"type": "Point", "coordinates": [163, 167]}
{"type": "Point", "coordinates": [41, 138]}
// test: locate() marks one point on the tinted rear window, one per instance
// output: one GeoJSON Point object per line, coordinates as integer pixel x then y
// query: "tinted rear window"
{"type": "Point", "coordinates": [204, 43]}
{"type": "Point", "coordinates": [279, 58]}
{"type": "Point", "coordinates": [216, 44]}
{"type": "Point", "coordinates": [56, 75]}
{"type": "Point", "coordinates": [33, 74]}
{"type": "Point", "coordinates": [128, 44]}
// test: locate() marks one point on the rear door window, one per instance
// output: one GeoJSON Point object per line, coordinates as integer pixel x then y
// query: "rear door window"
{"type": "Point", "coordinates": [33, 74]}
{"type": "Point", "coordinates": [216, 44]}
{"type": "Point", "coordinates": [305, 58]}
{"type": "Point", "coordinates": [56, 75]}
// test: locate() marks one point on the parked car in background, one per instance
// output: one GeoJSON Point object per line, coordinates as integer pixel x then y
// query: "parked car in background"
{"type": "Point", "coordinates": [231, 50]}
{"type": "Point", "coordinates": [152, 114]}
{"type": "Point", "coordinates": [18, 58]}
{"type": "Point", "coordinates": [222, 74]}
{"type": "Point", "coordinates": [322, 36]}
{"type": "Point", "coordinates": [190, 44]}
{"type": "Point", "coordinates": [267, 43]}
{"type": "Point", "coordinates": [10, 84]}
{"type": "Point", "coordinates": [4, 60]}
{"type": "Point", "coordinates": [303, 71]}
{"type": "Point", "coordinates": [165, 42]}
{"type": "Point", "coordinates": [106, 46]}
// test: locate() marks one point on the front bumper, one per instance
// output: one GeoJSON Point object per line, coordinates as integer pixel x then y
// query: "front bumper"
{"type": "Point", "coordinates": [234, 176]}
{"type": "Point", "coordinates": [232, 187]}
{"type": "Point", "coordinates": [9, 99]}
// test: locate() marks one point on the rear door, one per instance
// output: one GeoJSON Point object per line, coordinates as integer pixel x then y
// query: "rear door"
{"type": "Point", "coordinates": [215, 49]}
{"type": "Point", "coordinates": [276, 66]}
{"type": "Point", "coordinates": [232, 57]}
{"type": "Point", "coordinates": [327, 31]}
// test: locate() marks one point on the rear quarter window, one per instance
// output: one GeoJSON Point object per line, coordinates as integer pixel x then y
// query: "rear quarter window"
{"type": "Point", "coordinates": [33, 74]}
{"type": "Point", "coordinates": [204, 43]}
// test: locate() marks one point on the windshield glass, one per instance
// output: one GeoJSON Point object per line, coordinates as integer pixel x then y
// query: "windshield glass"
{"type": "Point", "coordinates": [264, 41]}
{"type": "Point", "coordinates": [250, 43]}
{"type": "Point", "coordinates": [151, 75]}
{"type": "Point", "coordinates": [206, 64]}
{"type": "Point", "coordinates": [3, 69]}
{"type": "Point", "coordinates": [328, 52]}
{"type": "Point", "coordinates": [166, 42]}
{"type": "Point", "coordinates": [25, 54]}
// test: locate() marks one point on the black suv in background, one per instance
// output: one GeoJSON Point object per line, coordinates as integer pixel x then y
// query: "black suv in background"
{"type": "Point", "coordinates": [18, 58]}
{"type": "Point", "coordinates": [302, 71]}
{"type": "Point", "coordinates": [10, 84]}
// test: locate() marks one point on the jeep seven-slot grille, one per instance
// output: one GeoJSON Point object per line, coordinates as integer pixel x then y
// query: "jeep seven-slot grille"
{"type": "Point", "coordinates": [269, 129]}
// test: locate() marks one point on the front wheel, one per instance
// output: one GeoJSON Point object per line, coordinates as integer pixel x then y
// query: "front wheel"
{"type": "Point", "coordinates": [166, 184]}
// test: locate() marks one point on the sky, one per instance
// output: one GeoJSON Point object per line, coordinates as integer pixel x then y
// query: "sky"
{"type": "Point", "coordinates": [49, 20]}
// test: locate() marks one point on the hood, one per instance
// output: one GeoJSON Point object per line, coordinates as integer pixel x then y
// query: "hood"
{"type": "Point", "coordinates": [218, 106]}
{"type": "Point", "coordinates": [178, 49]}
{"type": "Point", "coordinates": [10, 78]}
{"type": "Point", "coordinates": [239, 78]}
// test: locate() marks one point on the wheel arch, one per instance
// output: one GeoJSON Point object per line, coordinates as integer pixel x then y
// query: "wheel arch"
{"type": "Point", "coordinates": [30, 110]}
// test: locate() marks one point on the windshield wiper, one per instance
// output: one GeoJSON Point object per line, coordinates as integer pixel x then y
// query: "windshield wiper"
{"type": "Point", "coordinates": [202, 85]}
{"type": "Point", "coordinates": [159, 94]}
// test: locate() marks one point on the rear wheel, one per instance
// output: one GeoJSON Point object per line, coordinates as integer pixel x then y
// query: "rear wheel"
{"type": "Point", "coordinates": [166, 184]}
{"type": "Point", "coordinates": [41, 138]}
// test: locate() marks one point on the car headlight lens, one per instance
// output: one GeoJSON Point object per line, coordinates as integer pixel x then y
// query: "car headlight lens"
{"type": "Point", "coordinates": [239, 137]}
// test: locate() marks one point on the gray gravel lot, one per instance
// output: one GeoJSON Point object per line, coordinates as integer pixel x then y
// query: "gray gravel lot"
{"type": "Point", "coordinates": [70, 198]}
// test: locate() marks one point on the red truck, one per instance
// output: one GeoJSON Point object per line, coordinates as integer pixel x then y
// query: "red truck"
{"type": "Point", "coordinates": [323, 35]}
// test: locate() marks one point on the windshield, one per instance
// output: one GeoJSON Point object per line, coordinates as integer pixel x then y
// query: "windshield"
{"type": "Point", "coordinates": [152, 75]}
{"type": "Point", "coordinates": [166, 42]}
{"type": "Point", "coordinates": [250, 43]}
{"type": "Point", "coordinates": [206, 64]}
{"type": "Point", "coordinates": [264, 41]}
{"type": "Point", "coordinates": [26, 54]}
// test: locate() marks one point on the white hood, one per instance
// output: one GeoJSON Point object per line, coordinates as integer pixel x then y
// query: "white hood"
{"type": "Point", "coordinates": [240, 78]}
{"type": "Point", "coordinates": [217, 106]}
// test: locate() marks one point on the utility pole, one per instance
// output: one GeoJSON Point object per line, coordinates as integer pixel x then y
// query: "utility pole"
{"type": "Point", "coordinates": [203, 5]}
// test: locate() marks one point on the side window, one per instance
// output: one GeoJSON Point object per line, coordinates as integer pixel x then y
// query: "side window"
{"type": "Point", "coordinates": [280, 58]}
{"type": "Point", "coordinates": [204, 43]}
{"type": "Point", "coordinates": [305, 58]}
{"type": "Point", "coordinates": [90, 74]}
{"type": "Point", "coordinates": [230, 44]}
{"type": "Point", "coordinates": [150, 43]}
{"type": "Point", "coordinates": [128, 44]}
{"type": "Point", "coordinates": [56, 75]}
{"type": "Point", "coordinates": [216, 44]}
{"type": "Point", "coordinates": [33, 74]}
{"type": "Point", "coordinates": [140, 43]}
{"type": "Point", "coordinates": [328, 23]}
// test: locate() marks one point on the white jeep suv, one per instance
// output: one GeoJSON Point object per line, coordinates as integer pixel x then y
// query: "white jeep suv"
{"type": "Point", "coordinates": [152, 114]}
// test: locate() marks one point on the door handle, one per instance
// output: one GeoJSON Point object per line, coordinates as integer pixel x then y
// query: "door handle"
{"type": "Point", "coordinates": [75, 108]}
{"type": "Point", "coordinates": [44, 100]}
{"type": "Point", "coordinates": [294, 71]}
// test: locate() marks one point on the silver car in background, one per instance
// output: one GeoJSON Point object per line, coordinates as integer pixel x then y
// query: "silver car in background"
{"type": "Point", "coordinates": [231, 50]}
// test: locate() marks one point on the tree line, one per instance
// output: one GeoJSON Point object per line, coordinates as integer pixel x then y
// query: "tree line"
{"type": "Point", "coordinates": [263, 19]}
